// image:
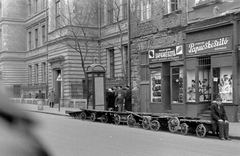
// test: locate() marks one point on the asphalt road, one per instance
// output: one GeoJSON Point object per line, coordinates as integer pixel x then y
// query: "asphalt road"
{"type": "Point", "coordinates": [64, 136]}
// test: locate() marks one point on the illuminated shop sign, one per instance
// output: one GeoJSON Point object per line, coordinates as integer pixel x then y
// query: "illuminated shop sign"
{"type": "Point", "coordinates": [219, 44]}
{"type": "Point", "coordinates": [166, 54]}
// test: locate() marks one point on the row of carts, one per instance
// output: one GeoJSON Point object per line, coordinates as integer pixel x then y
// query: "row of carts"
{"type": "Point", "coordinates": [152, 121]}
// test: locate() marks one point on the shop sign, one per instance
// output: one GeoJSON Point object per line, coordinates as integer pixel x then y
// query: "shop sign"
{"type": "Point", "coordinates": [166, 54]}
{"type": "Point", "coordinates": [219, 44]}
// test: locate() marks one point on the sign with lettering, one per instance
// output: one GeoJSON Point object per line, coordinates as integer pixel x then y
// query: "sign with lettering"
{"type": "Point", "coordinates": [166, 54]}
{"type": "Point", "coordinates": [208, 46]}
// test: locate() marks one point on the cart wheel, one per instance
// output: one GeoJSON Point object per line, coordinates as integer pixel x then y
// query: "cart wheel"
{"type": "Point", "coordinates": [173, 124]}
{"type": "Point", "coordinates": [93, 117]}
{"type": "Point", "coordinates": [117, 119]}
{"type": "Point", "coordinates": [104, 119]}
{"type": "Point", "coordinates": [155, 125]}
{"type": "Point", "coordinates": [184, 128]}
{"type": "Point", "coordinates": [131, 121]}
{"type": "Point", "coordinates": [146, 123]}
{"type": "Point", "coordinates": [82, 116]}
{"type": "Point", "coordinates": [201, 130]}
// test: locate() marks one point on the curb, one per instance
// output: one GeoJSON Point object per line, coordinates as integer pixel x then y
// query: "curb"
{"type": "Point", "coordinates": [232, 137]}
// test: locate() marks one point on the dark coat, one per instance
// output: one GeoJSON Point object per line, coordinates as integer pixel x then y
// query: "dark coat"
{"type": "Point", "coordinates": [217, 114]}
{"type": "Point", "coordinates": [110, 99]}
{"type": "Point", "coordinates": [128, 100]}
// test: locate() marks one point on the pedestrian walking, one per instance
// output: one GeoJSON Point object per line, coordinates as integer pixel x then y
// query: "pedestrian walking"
{"type": "Point", "coordinates": [51, 97]}
{"type": "Point", "coordinates": [22, 96]}
{"type": "Point", "coordinates": [220, 120]}
{"type": "Point", "coordinates": [119, 102]}
{"type": "Point", "coordinates": [128, 99]}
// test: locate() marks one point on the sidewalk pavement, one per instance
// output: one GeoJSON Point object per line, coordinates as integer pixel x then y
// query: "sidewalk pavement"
{"type": "Point", "coordinates": [234, 127]}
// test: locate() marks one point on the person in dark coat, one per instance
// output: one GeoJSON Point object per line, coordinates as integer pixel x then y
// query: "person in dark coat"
{"type": "Point", "coordinates": [128, 99]}
{"type": "Point", "coordinates": [110, 99]}
{"type": "Point", "coordinates": [220, 120]}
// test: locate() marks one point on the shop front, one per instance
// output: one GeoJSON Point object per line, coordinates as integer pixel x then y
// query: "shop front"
{"type": "Point", "coordinates": [210, 70]}
{"type": "Point", "coordinates": [166, 79]}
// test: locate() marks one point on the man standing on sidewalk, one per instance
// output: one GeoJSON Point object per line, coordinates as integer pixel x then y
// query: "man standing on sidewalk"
{"type": "Point", "coordinates": [51, 99]}
{"type": "Point", "coordinates": [40, 96]}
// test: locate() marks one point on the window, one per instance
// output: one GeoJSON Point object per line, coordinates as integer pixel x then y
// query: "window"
{"type": "Point", "coordinates": [124, 9]}
{"type": "Point", "coordinates": [222, 84]}
{"type": "Point", "coordinates": [43, 4]}
{"type": "Point", "coordinates": [36, 5]}
{"type": "Point", "coordinates": [36, 73]}
{"type": "Point", "coordinates": [36, 38]}
{"type": "Point", "coordinates": [171, 5]}
{"type": "Point", "coordinates": [191, 86]}
{"type": "Point", "coordinates": [144, 67]}
{"type": "Point", "coordinates": [125, 49]}
{"type": "Point", "coordinates": [29, 74]}
{"type": "Point", "coordinates": [177, 85]}
{"type": "Point", "coordinates": [44, 69]}
{"type": "Point", "coordinates": [204, 71]}
{"type": "Point", "coordinates": [110, 12]}
{"type": "Point", "coordinates": [29, 7]}
{"type": "Point", "coordinates": [156, 86]}
{"type": "Point", "coordinates": [29, 40]}
{"type": "Point", "coordinates": [145, 10]}
{"type": "Point", "coordinates": [57, 10]}
{"type": "Point", "coordinates": [43, 35]}
{"type": "Point", "coordinates": [112, 70]}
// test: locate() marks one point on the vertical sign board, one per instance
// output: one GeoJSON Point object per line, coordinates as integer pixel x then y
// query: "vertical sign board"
{"type": "Point", "coordinates": [99, 92]}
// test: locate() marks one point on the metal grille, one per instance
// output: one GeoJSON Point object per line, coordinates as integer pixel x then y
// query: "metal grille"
{"type": "Point", "coordinates": [204, 62]}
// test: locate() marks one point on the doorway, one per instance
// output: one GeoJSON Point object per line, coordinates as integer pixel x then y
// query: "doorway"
{"type": "Point", "coordinates": [57, 86]}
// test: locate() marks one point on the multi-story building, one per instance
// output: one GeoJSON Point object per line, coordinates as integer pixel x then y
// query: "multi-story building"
{"type": "Point", "coordinates": [188, 55]}
{"type": "Point", "coordinates": [42, 40]}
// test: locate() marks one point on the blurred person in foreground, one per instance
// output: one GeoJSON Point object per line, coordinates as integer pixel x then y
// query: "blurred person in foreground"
{"type": "Point", "coordinates": [17, 137]}
{"type": "Point", "coordinates": [220, 120]}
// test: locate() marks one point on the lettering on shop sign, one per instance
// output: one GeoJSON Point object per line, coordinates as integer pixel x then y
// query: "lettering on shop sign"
{"type": "Point", "coordinates": [220, 44]}
{"type": "Point", "coordinates": [166, 54]}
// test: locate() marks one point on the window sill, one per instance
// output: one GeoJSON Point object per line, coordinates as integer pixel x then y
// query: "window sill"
{"type": "Point", "coordinates": [172, 13]}
{"type": "Point", "coordinates": [204, 4]}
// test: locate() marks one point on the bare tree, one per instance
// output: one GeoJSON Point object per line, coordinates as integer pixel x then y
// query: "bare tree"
{"type": "Point", "coordinates": [76, 25]}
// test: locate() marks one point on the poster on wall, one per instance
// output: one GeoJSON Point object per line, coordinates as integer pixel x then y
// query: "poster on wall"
{"type": "Point", "coordinates": [156, 86]}
{"type": "Point", "coordinates": [166, 54]}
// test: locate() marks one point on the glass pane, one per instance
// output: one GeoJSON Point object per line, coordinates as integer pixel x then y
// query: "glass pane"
{"type": "Point", "coordinates": [156, 86]}
{"type": "Point", "coordinates": [191, 87]}
{"type": "Point", "coordinates": [204, 84]}
{"type": "Point", "coordinates": [177, 85]}
{"type": "Point", "coordinates": [222, 84]}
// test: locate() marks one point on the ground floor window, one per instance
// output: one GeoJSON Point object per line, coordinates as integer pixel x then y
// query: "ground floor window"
{"type": "Point", "coordinates": [191, 86]}
{"type": "Point", "coordinates": [222, 83]}
{"type": "Point", "coordinates": [156, 86]}
{"type": "Point", "coordinates": [177, 85]}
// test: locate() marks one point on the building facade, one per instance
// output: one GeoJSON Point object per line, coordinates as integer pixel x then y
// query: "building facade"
{"type": "Point", "coordinates": [188, 56]}
{"type": "Point", "coordinates": [39, 40]}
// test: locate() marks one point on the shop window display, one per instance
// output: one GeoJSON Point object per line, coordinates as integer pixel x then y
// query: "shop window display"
{"type": "Point", "coordinates": [204, 85]}
{"type": "Point", "coordinates": [191, 86]}
{"type": "Point", "coordinates": [222, 84]}
{"type": "Point", "coordinates": [156, 86]}
{"type": "Point", "coordinates": [177, 85]}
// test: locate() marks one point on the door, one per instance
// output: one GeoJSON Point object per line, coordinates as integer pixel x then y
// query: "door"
{"type": "Point", "coordinates": [57, 86]}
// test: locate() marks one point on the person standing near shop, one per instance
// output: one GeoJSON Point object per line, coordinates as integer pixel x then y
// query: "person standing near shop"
{"type": "Point", "coordinates": [119, 102]}
{"type": "Point", "coordinates": [128, 99]}
{"type": "Point", "coordinates": [51, 98]}
{"type": "Point", "coordinates": [220, 120]}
